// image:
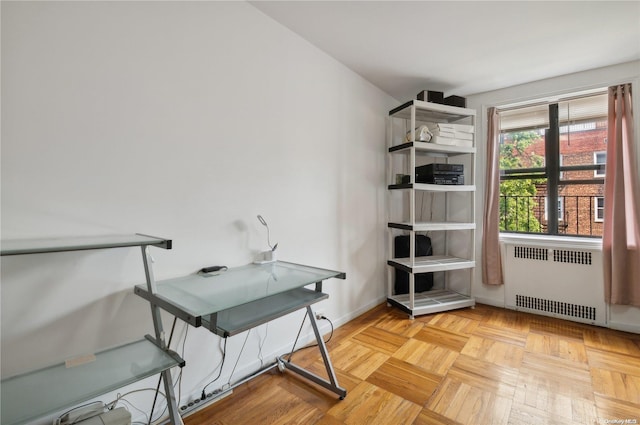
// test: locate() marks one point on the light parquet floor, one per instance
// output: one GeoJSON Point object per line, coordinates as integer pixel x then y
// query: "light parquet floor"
{"type": "Point", "coordinates": [465, 367]}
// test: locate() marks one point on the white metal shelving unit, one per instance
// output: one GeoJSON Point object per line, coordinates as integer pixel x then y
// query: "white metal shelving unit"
{"type": "Point", "coordinates": [454, 226]}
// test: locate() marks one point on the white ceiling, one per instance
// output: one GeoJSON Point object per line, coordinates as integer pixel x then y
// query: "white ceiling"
{"type": "Point", "coordinates": [463, 48]}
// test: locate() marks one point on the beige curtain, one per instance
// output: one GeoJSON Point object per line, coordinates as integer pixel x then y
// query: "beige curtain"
{"type": "Point", "coordinates": [621, 238]}
{"type": "Point", "coordinates": [491, 262]}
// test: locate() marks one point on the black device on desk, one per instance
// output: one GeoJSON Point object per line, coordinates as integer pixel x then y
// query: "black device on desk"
{"type": "Point", "coordinates": [212, 269]}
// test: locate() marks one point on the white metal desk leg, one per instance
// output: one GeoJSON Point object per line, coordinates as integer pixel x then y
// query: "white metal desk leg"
{"type": "Point", "coordinates": [174, 415]}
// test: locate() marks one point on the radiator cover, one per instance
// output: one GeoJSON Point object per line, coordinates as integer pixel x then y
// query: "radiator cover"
{"type": "Point", "coordinates": [559, 282]}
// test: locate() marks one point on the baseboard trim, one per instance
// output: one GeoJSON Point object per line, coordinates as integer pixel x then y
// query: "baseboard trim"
{"type": "Point", "coordinates": [490, 301]}
{"type": "Point", "coordinates": [352, 315]}
{"type": "Point", "coordinates": [625, 327]}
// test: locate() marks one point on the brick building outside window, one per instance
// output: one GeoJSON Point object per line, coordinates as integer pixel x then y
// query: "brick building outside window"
{"type": "Point", "coordinates": [580, 206]}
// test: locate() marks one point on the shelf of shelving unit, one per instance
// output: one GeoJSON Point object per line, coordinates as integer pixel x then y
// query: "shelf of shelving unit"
{"type": "Point", "coordinates": [431, 148]}
{"type": "Point", "coordinates": [429, 111]}
{"type": "Point", "coordinates": [433, 226]}
{"type": "Point", "coordinates": [45, 391]}
{"type": "Point", "coordinates": [409, 115]}
{"type": "Point", "coordinates": [434, 187]}
{"type": "Point", "coordinates": [430, 302]}
{"type": "Point", "coordinates": [31, 395]}
{"type": "Point", "coordinates": [432, 263]}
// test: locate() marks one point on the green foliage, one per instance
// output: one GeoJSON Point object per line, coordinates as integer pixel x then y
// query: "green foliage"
{"type": "Point", "coordinates": [517, 197]}
{"type": "Point", "coordinates": [513, 151]}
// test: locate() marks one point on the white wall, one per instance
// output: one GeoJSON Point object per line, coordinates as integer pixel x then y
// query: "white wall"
{"type": "Point", "coordinates": [183, 120]}
{"type": "Point", "coordinates": [620, 317]}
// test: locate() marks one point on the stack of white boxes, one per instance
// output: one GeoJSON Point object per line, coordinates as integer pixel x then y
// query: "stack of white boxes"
{"type": "Point", "coordinates": [451, 134]}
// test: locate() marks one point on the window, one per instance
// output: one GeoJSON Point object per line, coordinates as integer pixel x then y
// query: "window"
{"type": "Point", "coordinates": [599, 158]}
{"type": "Point", "coordinates": [560, 209]}
{"type": "Point", "coordinates": [599, 209]}
{"type": "Point", "coordinates": [552, 153]}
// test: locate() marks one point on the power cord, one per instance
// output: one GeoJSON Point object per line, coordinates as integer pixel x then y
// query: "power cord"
{"type": "Point", "coordinates": [261, 342]}
{"type": "Point", "coordinates": [224, 356]}
{"type": "Point", "coordinates": [150, 420]}
{"type": "Point", "coordinates": [155, 398]}
{"type": "Point", "coordinates": [293, 350]}
{"type": "Point", "coordinates": [66, 419]}
{"type": "Point", "coordinates": [239, 356]}
{"type": "Point", "coordinates": [120, 398]}
{"type": "Point", "coordinates": [331, 324]}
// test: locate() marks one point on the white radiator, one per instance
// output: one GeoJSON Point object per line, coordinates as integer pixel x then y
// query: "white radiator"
{"type": "Point", "coordinates": [559, 282]}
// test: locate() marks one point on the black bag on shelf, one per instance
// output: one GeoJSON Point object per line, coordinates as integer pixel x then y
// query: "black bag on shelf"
{"type": "Point", "coordinates": [422, 281]}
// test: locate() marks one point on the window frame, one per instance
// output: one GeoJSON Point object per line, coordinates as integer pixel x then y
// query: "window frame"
{"type": "Point", "coordinates": [597, 208]}
{"type": "Point", "coordinates": [597, 172]}
{"type": "Point", "coordinates": [560, 208]}
{"type": "Point", "coordinates": [553, 170]}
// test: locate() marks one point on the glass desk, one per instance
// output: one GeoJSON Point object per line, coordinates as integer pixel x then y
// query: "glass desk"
{"type": "Point", "coordinates": [245, 297]}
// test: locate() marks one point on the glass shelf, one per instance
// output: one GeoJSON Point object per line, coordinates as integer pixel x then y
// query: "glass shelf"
{"type": "Point", "coordinates": [239, 319]}
{"type": "Point", "coordinates": [194, 296]}
{"type": "Point", "coordinates": [40, 246]}
{"type": "Point", "coordinates": [46, 391]}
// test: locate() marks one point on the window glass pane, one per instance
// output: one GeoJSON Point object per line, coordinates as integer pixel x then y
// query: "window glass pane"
{"type": "Point", "coordinates": [522, 205]}
{"type": "Point", "coordinates": [582, 132]}
{"type": "Point", "coordinates": [527, 117]}
{"type": "Point", "coordinates": [522, 149]}
{"type": "Point", "coordinates": [522, 193]}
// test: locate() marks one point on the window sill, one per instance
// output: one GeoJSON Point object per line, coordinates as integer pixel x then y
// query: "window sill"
{"type": "Point", "coordinates": [552, 241]}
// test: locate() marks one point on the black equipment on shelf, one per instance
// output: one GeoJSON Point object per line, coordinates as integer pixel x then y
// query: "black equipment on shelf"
{"type": "Point", "coordinates": [422, 281]}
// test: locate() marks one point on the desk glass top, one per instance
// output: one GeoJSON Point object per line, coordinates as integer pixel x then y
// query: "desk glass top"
{"type": "Point", "coordinates": [200, 295]}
